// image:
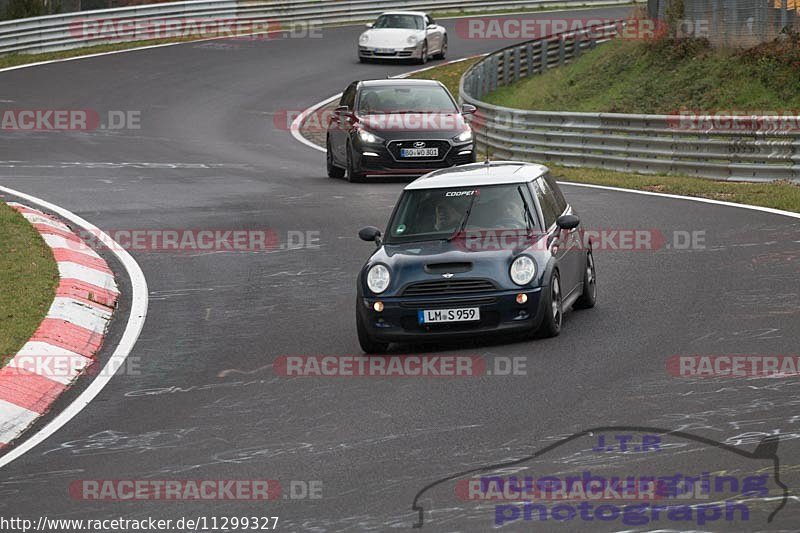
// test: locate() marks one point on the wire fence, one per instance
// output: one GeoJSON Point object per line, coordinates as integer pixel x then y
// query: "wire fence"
{"type": "Point", "coordinates": [729, 23]}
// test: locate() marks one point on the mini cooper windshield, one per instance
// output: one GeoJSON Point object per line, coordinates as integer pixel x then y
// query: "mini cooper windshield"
{"type": "Point", "coordinates": [434, 214]}
{"type": "Point", "coordinates": [419, 99]}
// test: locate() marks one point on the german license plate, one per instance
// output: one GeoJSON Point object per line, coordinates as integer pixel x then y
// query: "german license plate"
{"type": "Point", "coordinates": [433, 316]}
{"type": "Point", "coordinates": [419, 152]}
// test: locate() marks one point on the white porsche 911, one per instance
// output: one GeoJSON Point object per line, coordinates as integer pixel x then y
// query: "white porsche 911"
{"type": "Point", "coordinates": [403, 35]}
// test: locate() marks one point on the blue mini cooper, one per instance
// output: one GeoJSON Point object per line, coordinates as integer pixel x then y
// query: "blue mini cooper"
{"type": "Point", "coordinates": [476, 249]}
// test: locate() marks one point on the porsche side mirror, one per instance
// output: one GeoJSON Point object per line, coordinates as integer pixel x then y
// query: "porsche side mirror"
{"type": "Point", "coordinates": [368, 25]}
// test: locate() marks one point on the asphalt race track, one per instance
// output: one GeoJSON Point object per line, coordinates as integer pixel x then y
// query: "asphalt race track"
{"type": "Point", "coordinates": [206, 403]}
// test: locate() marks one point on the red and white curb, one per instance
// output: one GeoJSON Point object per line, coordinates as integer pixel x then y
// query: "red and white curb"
{"type": "Point", "coordinates": [64, 345]}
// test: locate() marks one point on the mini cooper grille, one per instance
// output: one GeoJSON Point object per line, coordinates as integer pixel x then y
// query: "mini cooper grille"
{"type": "Point", "coordinates": [448, 286]}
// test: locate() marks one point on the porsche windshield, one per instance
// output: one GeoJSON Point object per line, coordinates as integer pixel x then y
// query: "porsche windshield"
{"type": "Point", "coordinates": [405, 22]}
{"type": "Point", "coordinates": [433, 214]}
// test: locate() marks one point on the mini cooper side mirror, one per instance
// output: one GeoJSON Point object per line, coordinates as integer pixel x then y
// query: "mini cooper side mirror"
{"type": "Point", "coordinates": [568, 221]}
{"type": "Point", "coordinates": [370, 233]}
{"type": "Point", "coordinates": [468, 109]}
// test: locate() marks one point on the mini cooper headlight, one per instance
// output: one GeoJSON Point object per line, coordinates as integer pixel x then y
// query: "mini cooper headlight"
{"type": "Point", "coordinates": [378, 278]}
{"type": "Point", "coordinates": [412, 40]}
{"type": "Point", "coordinates": [523, 269]}
{"type": "Point", "coordinates": [464, 136]}
{"type": "Point", "coordinates": [368, 137]}
{"type": "Point", "coordinates": [364, 39]}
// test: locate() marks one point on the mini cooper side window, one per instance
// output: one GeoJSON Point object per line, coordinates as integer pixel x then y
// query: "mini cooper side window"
{"type": "Point", "coordinates": [561, 202]}
{"type": "Point", "coordinates": [547, 201]}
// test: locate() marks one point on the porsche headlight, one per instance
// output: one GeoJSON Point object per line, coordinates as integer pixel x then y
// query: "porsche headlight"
{"type": "Point", "coordinates": [523, 269]}
{"type": "Point", "coordinates": [364, 39]}
{"type": "Point", "coordinates": [464, 136]}
{"type": "Point", "coordinates": [368, 137]}
{"type": "Point", "coordinates": [412, 40]}
{"type": "Point", "coordinates": [378, 278]}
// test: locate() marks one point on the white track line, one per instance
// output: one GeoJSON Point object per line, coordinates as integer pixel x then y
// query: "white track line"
{"type": "Point", "coordinates": [133, 328]}
{"type": "Point", "coordinates": [690, 198]}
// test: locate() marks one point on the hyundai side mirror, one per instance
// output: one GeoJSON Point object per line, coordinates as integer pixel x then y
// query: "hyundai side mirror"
{"type": "Point", "coordinates": [370, 233]}
{"type": "Point", "coordinates": [568, 221]}
{"type": "Point", "coordinates": [468, 109]}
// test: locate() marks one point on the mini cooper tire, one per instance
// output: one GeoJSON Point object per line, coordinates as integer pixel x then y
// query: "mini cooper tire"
{"type": "Point", "coordinates": [588, 298]}
{"type": "Point", "coordinates": [333, 171]}
{"type": "Point", "coordinates": [353, 175]}
{"type": "Point", "coordinates": [553, 309]}
{"type": "Point", "coordinates": [368, 344]}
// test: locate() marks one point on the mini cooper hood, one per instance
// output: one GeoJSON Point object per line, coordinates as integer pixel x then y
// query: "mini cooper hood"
{"type": "Point", "coordinates": [479, 251]}
{"type": "Point", "coordinates": [378, 123]}
{"type": "Point", "coordinates": [390, 38]}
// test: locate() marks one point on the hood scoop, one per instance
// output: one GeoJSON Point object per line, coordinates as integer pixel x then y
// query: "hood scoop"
{"type": "Point", "coordinates": [448, 268]}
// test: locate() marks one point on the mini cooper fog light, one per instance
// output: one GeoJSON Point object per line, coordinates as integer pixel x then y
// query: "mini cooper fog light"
{"type": "Point", "coordinates": [522, 298]}
{"type": "Point", "coordinates": [378, 306]}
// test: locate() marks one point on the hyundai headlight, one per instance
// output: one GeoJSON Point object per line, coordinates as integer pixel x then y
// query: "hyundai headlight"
{"type": "Point", "coordinates": [378, 278]}
{"type": "Point", "coordinates": [464, 136]}
{"type": "Point", "coordinates": [523, 269]}
{"type": "Point", "coordinates": [369, 138]}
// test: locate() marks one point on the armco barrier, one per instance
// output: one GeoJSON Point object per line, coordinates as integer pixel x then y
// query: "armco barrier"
{"type": "Point", "coordinates": [57, 32]}
{"type": "Point", "coordinates": [627, 142]}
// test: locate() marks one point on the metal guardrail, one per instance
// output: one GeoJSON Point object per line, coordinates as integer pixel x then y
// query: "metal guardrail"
{"type": "Point", "coordinates": [63, 32]}
{"type": "Point", "coordinates": [742, 148]}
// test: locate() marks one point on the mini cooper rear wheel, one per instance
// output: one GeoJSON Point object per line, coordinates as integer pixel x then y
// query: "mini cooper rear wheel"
{"type": "Point", "coordinates": [368, 344]}
{"type": "Point", "coordinates": [333, 170]}
{"type": "Point", "coordinates": [354, 174]}
{"type": "Point", "coordinates": [553, 309]}
{"type": "Point", "coordinates": [589, 296]}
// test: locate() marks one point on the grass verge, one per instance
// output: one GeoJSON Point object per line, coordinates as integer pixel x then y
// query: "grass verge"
{"type": "Point", "coordinates": [661, 77]}
{"type": "Point", "coordinates": [28, 279]}
{"type": "Point", "coordinates": [777, 195]}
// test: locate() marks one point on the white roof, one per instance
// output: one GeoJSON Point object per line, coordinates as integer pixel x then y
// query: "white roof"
{"type": "Point", "coordinates": [415, 13]}
{"type": "Point", "coordinates": [476, 174]}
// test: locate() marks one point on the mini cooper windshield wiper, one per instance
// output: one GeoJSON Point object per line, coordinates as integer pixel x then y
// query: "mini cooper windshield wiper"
{"type": "Point", "coordinates": [464, 220]}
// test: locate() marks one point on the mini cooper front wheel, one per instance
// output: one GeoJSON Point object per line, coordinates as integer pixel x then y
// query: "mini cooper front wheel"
{"type": "Point", "coordinates": [553, 309]}
{"type": "Point", "coordinates": [589, 296]}
{"type": "Point", "coordinates": [368, 344]}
